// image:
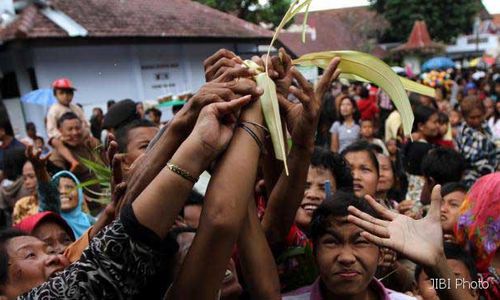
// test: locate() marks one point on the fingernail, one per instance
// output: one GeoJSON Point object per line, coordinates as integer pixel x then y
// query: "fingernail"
{"type": "Point", "coordinates": [259, 90]}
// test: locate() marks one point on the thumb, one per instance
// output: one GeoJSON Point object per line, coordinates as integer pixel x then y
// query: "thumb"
{"type": "Point", "coordinates": [284, 103]}
{"type": "Point", "coordinates": [435, 209]}
{"type": "Point", "coordinates": [224, 108]}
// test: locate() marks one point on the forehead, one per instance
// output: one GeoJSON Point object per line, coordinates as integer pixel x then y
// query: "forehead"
{"type": "Point", "coordinates": [20, 242]}
{"type": "Point", "coordinates": [359, 158]}
{"type": "Point", "coordinates": [383, 160]}
{"type": "Point", "coordinates": [72, 122]}
{"type": "Point", "coordinates": [456, 195]}
{"type": "Point", "coordinates": [320, 173]}
{"type": "Point", "coordinates": [458, 266]}
{"type": "Point", "coordinates": [142, 133]}
{"type": "Point", "coordinates": [66, 181]}
{"type": "Point", "coordinates": [345, 101]}
{"type": "Point", "coordinates": [28, 168]}
{"type": "Point", "coordinates": [48, 225]}
{"type": "Point", "coordinates": [343, 228]}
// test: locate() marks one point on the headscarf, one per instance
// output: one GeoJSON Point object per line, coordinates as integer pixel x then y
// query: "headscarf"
{"type": "Point", "coordinates": [29, 224]}
{"type": "Point", "coordinates": [478, 228]}
{"type": "Point", "coordinates": [76, 218]}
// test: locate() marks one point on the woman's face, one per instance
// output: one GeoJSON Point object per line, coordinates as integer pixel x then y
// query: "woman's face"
{"type": "Point", "coordinates": [364, 173]}
{"type": "Point", "coordinates": [430, 128]}
{"type": "Point", "coordinates": [69, 194]}
{"type": "Point", "coordinates": [346, 108]}
{"type": "Point", "coordinates": [54, 235]}
{"type": "Point", "coordinates": [29, 177]}
{"type": "Point", "coordinates": [386, 178]}
{"type": "Point", "coordinates": [31, 262]}
{"type": "Point", "coordinates": [392, 147]}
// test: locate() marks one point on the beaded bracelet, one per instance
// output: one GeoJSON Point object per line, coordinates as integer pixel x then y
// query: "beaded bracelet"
{"type": "Point", "coordinates": [181, 172]}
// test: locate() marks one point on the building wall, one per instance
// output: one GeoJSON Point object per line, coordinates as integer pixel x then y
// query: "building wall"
{"type": "Point", "coordinates": [100, 73]}
{"type": "Point", "coordinates": [489, 43]}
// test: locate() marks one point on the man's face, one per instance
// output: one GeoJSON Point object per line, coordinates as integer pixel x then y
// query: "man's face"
{"type": "Point", "coordinates": [31, 262]}
{"type": "Point", "coordinates": [347, 262]}
{"type": "Point", "coordinates": [430, 128]}
{"type": "Point", "coordinates": [29, 177]}
{"type": "Point", "coordinates": [450, 209]}
{"type": "Point", "coordinates": [71, 132]}
{"type": "Point", "coordinates": [64, 96]}
{"type": "Point", "coordinates": [138, 141]}
{"type": "Point", "coordinates": [364, 173]}
{"type": "Point", "coordinates": [475, 118]}
{"type": "Point", "coordinates": [424, 283]}
{"type": "Point", "coordinates": [314, 194]}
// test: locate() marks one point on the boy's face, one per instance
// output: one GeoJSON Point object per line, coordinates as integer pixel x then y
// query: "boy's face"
{"type": "Point", "coordinates": [367, 129]}
{"type": "Point", "coordinates": [314, 194]}
{"type": "Point", "coordinates": [425, 286]}
{"type": "Point", "coordinates": [364, 173]}
{"type": "Point", "coordinates": [346, 260]}
{"type": "Point", "coordinates": [64, 96]}
{"type": "Point", "coordinates": [138, 141]}
{"type": "Point", "coordinates": [475, 118]}
{"type": "Point", "coordinates": [450, 209]}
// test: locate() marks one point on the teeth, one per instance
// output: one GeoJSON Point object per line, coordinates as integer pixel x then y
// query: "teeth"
{"type": "Point", "coordinates": [310, 207]}
{"type": "Point", "coordinates": [228, 273]}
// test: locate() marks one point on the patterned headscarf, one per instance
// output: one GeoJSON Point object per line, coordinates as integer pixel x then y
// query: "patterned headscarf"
{"type": "Point", "coordinates": [478, 228]}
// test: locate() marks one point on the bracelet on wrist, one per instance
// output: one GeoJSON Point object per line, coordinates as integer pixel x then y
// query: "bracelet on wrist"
{"type": "Point", "coordinates": [181, 172]}
{"type": "Point", "coordinates": [259, 143]}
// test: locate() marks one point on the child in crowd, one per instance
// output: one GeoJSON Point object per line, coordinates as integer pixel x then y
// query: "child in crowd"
{"type": "Point", "coordinates": [63, 91]}
{"type": "Point", "coordinates": [367, 133]}
{"type": "Point", "coordinates": [346, 130]}
{"type": "Point", "coordinates": [461, 264]}
{"type": "Point", "coordinates": [475, 141]}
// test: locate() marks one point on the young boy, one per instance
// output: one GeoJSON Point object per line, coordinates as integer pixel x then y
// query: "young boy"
{"type": "Point", "coordinates": [367, 133]}
{"type": "Point", "coordinates": [453, 194]}
{"type": "Point", "coordinates": [462, 265]}
{"type": "Point", "coordinates": [63, 91]}
{"type": "Point", "coordinates": [475, 141]}
{"type": "Point", "coordinates": [346, 260]}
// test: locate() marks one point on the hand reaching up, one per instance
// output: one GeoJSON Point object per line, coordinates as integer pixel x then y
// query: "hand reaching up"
{"type": "Point", "coordinates": [419, 240]}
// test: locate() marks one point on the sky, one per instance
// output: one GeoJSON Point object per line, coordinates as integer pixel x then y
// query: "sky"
{"type": "Point", "coordinates": [493, 6]}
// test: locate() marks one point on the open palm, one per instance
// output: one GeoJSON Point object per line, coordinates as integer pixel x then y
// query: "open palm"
{"type": "Point", "coordinates": [419, 240]}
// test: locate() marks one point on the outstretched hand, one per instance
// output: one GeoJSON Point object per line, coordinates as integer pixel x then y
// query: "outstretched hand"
{"type": "Point", "coordinates": [35, 157]}
{"type": "Point", "coordinates": [419, 240]}
{"type": "Point", "coordinates": [302, 118]}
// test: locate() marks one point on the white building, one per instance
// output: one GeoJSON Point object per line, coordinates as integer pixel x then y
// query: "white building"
{"type": "Point", "coordinates": [113, 49]}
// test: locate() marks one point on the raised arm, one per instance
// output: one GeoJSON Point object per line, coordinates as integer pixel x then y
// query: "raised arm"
{"type": "Point", "coordinates": [419, 240]}
{"type": "Point", "coordinates": [256, 259]}
{"type": "Point", "coordinates": [224, 211]}
{"type": "Point", "coordinates": [302, 120]}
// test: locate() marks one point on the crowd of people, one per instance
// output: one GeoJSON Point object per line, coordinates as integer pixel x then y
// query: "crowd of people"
{"type": "Point", "coordinates": [200, 208]}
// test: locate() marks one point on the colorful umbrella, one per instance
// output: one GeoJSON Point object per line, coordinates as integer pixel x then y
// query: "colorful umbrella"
{"type": "Point", "coordinates": [438, 63]}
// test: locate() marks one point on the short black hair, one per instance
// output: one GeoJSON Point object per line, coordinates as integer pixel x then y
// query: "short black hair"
{"type": "Point", "coordinates": [324, 158]}
{"type": "Point", "coordinates": [452, 187]}
{"type": "Point", "coordinates": [443, 165]}
{"type": "Point", "coordinates": [456, 252]}
{"type": "Point", "coordinates": [363, 146]}
{"type": "Point", "coordinates": [364, 93]}
{"type": "Point", "coordinates": [422, 115]}
{"type": "Point", "coordinates": [336, 207]}
{"type": "Point", "coordinates": [156, 111]}
{"type": "Point", "coordinates": [39, 138]}
{"type": "Point", "coordinates": [122, 132]}
{"type": "Point", "coordinates": [30, 126]}
{"type": "Point", "coordinates": [443, 118]}
{"type": "Point", "coordinates": [7, 127]}
{"type": "Point", "coordinates": [67, 116]}
{"type": "Point", "coordinates": [5, 236]}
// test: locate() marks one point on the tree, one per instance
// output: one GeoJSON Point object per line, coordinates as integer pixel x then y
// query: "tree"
{"type": "Point", "coordinates": [252, 10]}
{"type": "Point", "coordinates": [445, 19]}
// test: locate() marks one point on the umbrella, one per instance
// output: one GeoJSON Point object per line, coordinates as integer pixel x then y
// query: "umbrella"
{"type": "Point", "coordinates": [438, 63]}
{"type": "Point", "coordinates": [44, 97]}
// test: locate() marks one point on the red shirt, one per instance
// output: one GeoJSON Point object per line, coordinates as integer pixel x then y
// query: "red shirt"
{"type": "Point", "coordinates": [368, 109]}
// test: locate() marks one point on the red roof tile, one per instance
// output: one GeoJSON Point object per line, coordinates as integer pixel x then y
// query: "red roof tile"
{"type": "Point", "coordinates": [134, 18]}
{"type": "Point", "coordinates": [419, 39]}
{"type": "Point", "coordinates": [336, 29]}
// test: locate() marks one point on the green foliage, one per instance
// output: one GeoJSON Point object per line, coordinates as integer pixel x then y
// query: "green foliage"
{"type": "Point", "coordinates": [103, 179]}
{"type": "Point", "coordinates": [445, 19]}
{"type": "Point", "coordinates": [251, 10]}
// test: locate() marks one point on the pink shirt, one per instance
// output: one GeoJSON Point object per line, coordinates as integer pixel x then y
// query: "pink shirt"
{"type": "Point", "coordinates": [313, 292]}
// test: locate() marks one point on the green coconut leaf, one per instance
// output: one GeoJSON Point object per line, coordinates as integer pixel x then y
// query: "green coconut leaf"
{"type": "Point", "coordinates": [372, 69]}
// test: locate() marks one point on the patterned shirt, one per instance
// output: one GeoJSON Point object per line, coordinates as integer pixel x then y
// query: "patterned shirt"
{"type": "Point", "coordinates": [118, 264]}
{"type": "Point", "coordinates": [480, 153]}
